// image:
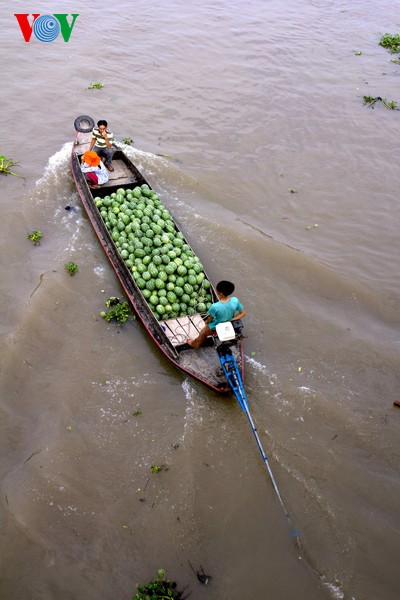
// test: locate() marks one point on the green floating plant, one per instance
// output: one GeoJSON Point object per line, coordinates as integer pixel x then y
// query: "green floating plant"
{"type": "Point", "coordinates": [120, 313]}
{"type": "Point", "coordinates": [112, 301]}
{"type": "Point", "coordinates": [71, 268]}
{"type": "Point", "coordinates": [390, 42]}
{"type": "Point", "coordinates": [96, 86]}
{"type": "Point", "coordinates": [370, 101]}
{"type": "Point", "coordinates": [6, 164]}
{"type": "Point", "coordinates": [389, 104]}
{"type": "Point", "coordinates": [35, 237]}
{"type": "Point", "coordinates": [159, 587]}
{"type": "Point", "coordinates": [157, 468]}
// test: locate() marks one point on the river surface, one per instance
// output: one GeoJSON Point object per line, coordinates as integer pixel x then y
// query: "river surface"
{"type": "Point", "coordinates": [284, 182]}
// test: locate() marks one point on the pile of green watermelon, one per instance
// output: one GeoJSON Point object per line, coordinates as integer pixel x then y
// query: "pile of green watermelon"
{"type": "Point", "coordinates": [165, 268]}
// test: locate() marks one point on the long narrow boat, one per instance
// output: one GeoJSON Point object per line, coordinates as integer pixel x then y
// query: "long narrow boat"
{"type": "Point", "coordinates": [169, 334]}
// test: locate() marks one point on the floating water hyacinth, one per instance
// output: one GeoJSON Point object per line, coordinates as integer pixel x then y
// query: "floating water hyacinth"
{"type": "Point", "coordinates": [71, 268]}
{"type": "Point", "coordinates": [370, 101]}
{"type": "Point", "coordinates": [121, 311]}
{"type": "Point", "coordinates": [35, 237]}
{"type": "Point", "coordinates": [390, 42]}
{"type": "Point", "coordinates": [6, 164]}
{"type": "Point", "coordinates": [159, 587]}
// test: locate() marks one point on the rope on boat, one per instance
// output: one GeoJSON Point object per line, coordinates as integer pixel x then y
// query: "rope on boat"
{"type": "Point", "coordinates": [234, 378]}
{"type": "Point", "coordinates": [179, 331]}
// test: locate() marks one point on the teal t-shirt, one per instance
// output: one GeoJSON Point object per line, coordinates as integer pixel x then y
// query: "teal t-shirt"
{"type": "Point", "coordinates": [224, 311]}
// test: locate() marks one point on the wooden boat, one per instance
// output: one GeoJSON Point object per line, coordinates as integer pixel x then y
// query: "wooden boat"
{"type": "Point", "coordinates": [170, 335]}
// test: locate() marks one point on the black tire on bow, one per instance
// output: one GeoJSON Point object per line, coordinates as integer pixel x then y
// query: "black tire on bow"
{"type": "Point", "coordinates": [84, 124]}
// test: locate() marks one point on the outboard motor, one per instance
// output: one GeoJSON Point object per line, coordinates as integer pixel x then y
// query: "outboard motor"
{"type": "Point", "coordinates": [227, 335]}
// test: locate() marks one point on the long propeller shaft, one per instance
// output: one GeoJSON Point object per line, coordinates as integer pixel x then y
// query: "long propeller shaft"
{"type": "Point", "coordinates": [234, 378]}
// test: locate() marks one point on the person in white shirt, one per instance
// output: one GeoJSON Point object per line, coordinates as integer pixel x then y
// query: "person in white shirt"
{"type": "Point", "coordinates": [94, 169]}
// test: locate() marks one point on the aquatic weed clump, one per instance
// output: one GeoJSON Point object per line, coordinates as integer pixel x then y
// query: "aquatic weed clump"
{"type": "Point", "coordinates": [120, 313]}
{"type": "Point", "coordinates": [158, 588]}
{"type": "Point", "coordinates": [71, 268]}
{"type": "Point", "coordinates": [6, 164]}
{"type": "Point", "coordinates": [370, 101]}
{"type": "Point", "coordinates": [35, 237]}
{"type": "Point", "coordinates": [390, 42]}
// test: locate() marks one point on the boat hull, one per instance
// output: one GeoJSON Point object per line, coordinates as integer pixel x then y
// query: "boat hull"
{"type": "Point", "coordinates": [169, 336]}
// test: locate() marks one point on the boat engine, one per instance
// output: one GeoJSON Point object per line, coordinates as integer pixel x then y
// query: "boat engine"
{"type": "Point", "coordinates": [227, 335]}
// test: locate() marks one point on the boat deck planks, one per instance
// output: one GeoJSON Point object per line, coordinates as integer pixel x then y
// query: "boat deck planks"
{"type": "Point", "coordinates": [180, 329]}
{"type": "Point", "coordinates": [120, 176]}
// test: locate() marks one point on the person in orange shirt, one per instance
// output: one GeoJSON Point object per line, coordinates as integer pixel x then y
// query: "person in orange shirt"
{"type": "Point", "coordinates": [94, 169]}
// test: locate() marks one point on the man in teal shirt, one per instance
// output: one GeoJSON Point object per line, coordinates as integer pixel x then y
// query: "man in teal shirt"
{"type": "Point", "coordinates": [226, 309]}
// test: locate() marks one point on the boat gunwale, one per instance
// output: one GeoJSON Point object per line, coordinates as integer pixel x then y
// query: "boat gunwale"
{"type": "Point", "coordinates": [144, 313]}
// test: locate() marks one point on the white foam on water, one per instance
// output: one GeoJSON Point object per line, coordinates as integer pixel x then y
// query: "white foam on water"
{"type": "Point", "coordinates": [188, 390]}
{"type": "Point", "coordinates": [306, 390]}
{"type": "Point", "coordinates": [335, 590]}
{"type": "Point", "coordinates": [256, 364]}
{"type": "Point", "coordinates": [74, 237]}
{"type": "Point", "coordinates": [57, 165]}
{"type": "Point", "coordinates": [100, 271]}
{"type": "Point", "coordinates": [118, 387]}
{"type": "Point", "coordinates": [194, 407]}
{"type": "Point", "coordinates": [54, 189]}
{"type": "Point", "coordinates": [259, 367]}
{"type": "Point", "coordinates": [137, 153]}
{"type": "Point", "coordinates": [111, 415]}
{"type": "Point", "coordinates": [65, 215]}
{"type": "Point", "coordinates": [144, 160]}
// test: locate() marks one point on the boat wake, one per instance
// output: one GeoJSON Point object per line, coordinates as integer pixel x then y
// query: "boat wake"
{"type": "Point", "coordinates": [257, 366]}
{"type": "Point", "coordinates": [57, 167]}
{"type": "Point", "coordinates": [194, 406]}
{"type": "Point", "coordinates": [334, 590]}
